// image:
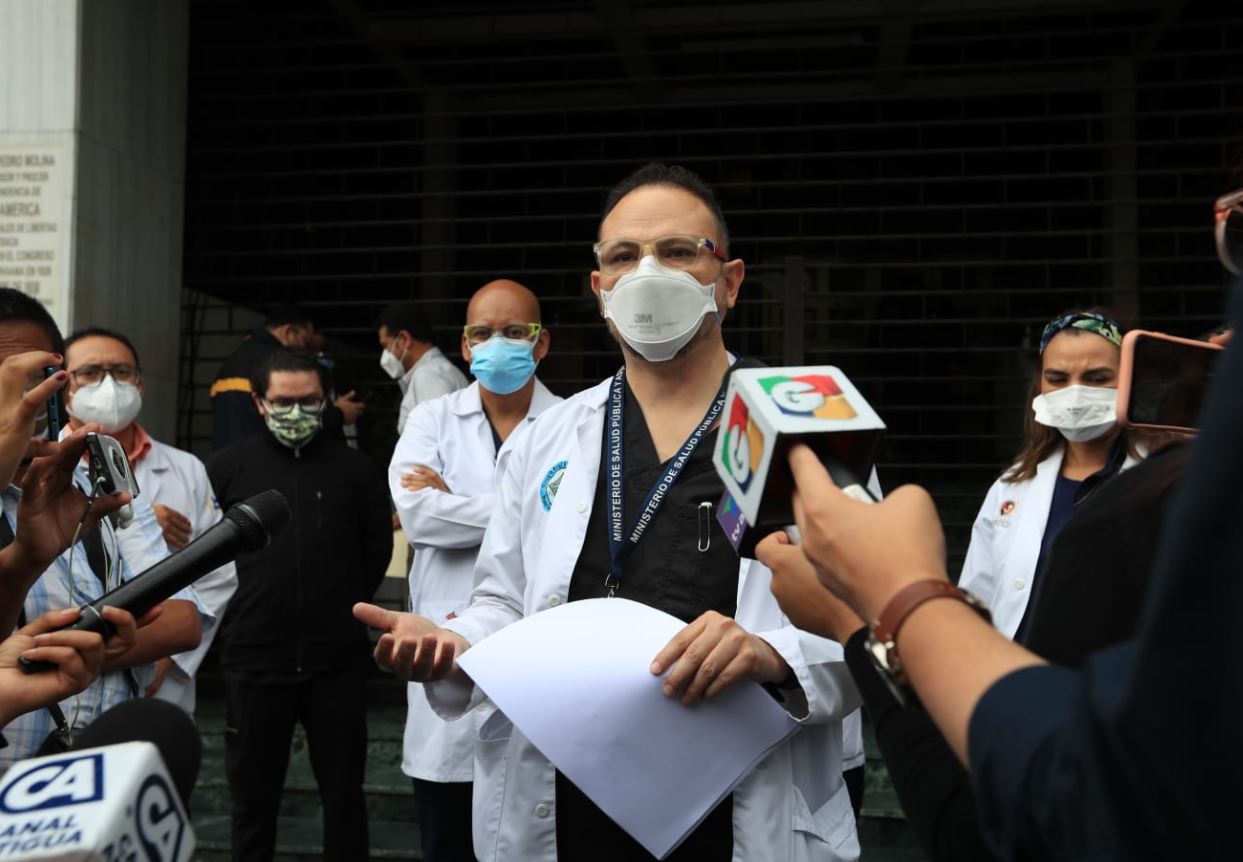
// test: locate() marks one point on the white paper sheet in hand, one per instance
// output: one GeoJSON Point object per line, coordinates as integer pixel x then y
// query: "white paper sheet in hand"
{"type": "Point", "coordinates": [576, 681]}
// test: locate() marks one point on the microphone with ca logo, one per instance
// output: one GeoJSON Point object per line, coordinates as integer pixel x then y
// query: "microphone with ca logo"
{"type": "Point", "coordinates": [115, 803]}
{"type": "Point", "coordinates": [767, 410]}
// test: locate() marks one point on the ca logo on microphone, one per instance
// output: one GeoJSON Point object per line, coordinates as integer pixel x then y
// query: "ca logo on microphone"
{"type": "Point", "coordinates": [158, 821]}
{"type": "Point", "coordinates": [71, 781]}
{"type": "Point", "coordinates": [743, 444]}
{"type": "Point", "coordinates": [809, 395]}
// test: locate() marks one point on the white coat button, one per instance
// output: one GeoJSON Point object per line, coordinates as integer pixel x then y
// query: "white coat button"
{"type": "Point", "coordinates": [553, 601]}
{"type": "Point", "coordinates": [582, 505]}
{"type": "Point", "coordinates": [1019, 583]}
{"type": "Point", "coordinates": [542, 810]}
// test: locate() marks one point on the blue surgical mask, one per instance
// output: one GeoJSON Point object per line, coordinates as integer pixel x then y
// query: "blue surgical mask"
{"type": "Point", "coordinates": [502, 365]}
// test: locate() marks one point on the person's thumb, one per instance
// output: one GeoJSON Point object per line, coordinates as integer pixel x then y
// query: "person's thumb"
{"type": "Point", "coordinates": [376, 617]}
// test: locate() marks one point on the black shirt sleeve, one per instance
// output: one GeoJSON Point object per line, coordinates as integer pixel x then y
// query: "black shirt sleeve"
{"type": "Point", "coordinates": [933, 787]}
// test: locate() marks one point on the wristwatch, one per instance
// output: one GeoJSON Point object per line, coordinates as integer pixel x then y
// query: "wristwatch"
{"type": "Point", "coordinates": [882, 637]}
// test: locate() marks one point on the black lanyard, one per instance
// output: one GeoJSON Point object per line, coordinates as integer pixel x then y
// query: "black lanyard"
{"type": "Point", "coordinates": [621, 541]}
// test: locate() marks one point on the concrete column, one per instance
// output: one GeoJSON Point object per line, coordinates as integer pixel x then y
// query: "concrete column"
{"type": "Point", "coordinates": [92, 128]}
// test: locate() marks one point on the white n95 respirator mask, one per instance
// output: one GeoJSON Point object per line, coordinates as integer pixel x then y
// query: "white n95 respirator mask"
{"type": "Point", "coordinates": [657, 310]}
{"type": "Point", "coordinates": [113, 405]}
{"type": "Point", "coordinates": [1081, 413]}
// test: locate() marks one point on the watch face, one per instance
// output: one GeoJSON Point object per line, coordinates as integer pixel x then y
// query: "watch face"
{"type": "Point", "coordinates": [880, 653]}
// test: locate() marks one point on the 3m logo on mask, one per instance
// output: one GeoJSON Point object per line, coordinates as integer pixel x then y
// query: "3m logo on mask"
{"type": "Point", "coordinates": [809, 395]}
{"type": "Point", "coordinates": [643, 318]}
{"type": "Point", "coordinates": [72, 781]}
{"type": "Point", "coordinates": [743, 446]}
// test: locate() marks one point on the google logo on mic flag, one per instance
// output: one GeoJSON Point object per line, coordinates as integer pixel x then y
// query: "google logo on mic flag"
{"type": "Point", "coordinates": [743, 444]}
{"type": "Point", "coordinates": [809, 394]}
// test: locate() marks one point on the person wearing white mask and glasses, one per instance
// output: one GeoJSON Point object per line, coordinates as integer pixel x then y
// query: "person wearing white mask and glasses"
{"type": "Point", "coordinates": [409, 356]}
{"type": "Point", "coordinates": [1072, 445]}
{"type": "Point", "coordinates": [106, 387]}
{"type": "Point", "coordinates": [636, 449]}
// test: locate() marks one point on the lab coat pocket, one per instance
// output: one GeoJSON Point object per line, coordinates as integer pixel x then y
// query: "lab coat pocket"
{"type": "Point", "coordinates": [495, 733]}
{"type": "Point", "coordinates": [832, 822]}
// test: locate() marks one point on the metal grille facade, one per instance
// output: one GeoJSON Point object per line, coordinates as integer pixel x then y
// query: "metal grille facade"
{"type": "Point", "coordinates": [916, 187]}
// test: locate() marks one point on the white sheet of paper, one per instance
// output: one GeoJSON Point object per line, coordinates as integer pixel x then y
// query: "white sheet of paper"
{"type": "Point", "coordinates": [576, 681]}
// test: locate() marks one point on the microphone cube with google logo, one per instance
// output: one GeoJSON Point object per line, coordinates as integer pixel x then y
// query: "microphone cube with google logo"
{"type": "Point", "coordinates": [767, 410]}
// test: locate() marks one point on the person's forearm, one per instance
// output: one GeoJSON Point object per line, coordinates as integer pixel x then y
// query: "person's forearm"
{"type": "Point", "coordinates": [178, 629]}
{"type": "Point", "coordinates": [17, 576]}
{"type": "Point", "coordinates": [952, 657]}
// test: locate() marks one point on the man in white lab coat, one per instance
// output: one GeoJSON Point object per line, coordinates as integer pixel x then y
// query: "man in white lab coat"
{"type": "Point", "coordinates": [664, 281]}
{"type": "Point", "coordinates": [106, 387]}
{"type": "Point", "coordinates": [442, 479]}
{"type": "Point", "coordinates": [408, 355]}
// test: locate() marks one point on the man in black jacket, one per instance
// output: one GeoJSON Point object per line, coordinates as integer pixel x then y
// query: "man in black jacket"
{"type": "Point", "coordinates": [290, 648]}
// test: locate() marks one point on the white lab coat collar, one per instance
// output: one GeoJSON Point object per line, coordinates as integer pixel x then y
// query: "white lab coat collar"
{"type": "Point", "coordinates": [470, 401]}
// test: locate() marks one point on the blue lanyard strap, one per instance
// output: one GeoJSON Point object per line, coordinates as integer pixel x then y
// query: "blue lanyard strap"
{"type": "Point", "coordinates": [622, 541]}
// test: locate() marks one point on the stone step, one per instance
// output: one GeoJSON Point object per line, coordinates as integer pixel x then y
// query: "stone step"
{"type": "Point", "coordinates": [883, 831]}
{"type": "Point", "coordinates": [298, 839]}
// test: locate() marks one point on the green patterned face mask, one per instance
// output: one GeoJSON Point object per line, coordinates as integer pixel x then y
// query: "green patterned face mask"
{"type": "Point", "coordinates": [293, 427]}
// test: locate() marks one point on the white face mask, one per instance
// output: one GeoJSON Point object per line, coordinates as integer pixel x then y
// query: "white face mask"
{"type": "Point", "coordinates": [658, 310]}
{"type": "Point", "coordinates": [113, 405]}
{"type": "Point", "coordinates": [391, 363]}
{"type": "Point", "coordinates": [1081, 413]}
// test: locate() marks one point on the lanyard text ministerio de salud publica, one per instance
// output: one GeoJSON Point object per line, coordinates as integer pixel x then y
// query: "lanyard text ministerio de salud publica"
{"type": "Point", "coordinates": [622, 542]}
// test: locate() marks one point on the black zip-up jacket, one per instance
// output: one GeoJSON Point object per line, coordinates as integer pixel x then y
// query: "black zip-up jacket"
{"type": "Point", "coordinates": [292, 612]}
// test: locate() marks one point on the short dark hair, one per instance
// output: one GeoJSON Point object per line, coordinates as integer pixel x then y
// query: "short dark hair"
{"type": "Point", "coordinates": [285, 315]}
{"type": "Point", "coordinates": [659, 174]}
{"type": "Point", "coordinates": [18, 307]}
{"type": "Point", "coordinates": [407, 316]}
{"type": "Point", "coordinates": [285, 359]}
{"type": "Point", "coordinates": [101, 332]}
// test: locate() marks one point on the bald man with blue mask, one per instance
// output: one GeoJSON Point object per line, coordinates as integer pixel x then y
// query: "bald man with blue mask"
{"type": "Point", "coordinates": [442, 479]}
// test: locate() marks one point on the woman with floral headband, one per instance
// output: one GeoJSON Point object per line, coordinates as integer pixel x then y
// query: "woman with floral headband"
{"type": "Point", "coordinates": [1072, 445]}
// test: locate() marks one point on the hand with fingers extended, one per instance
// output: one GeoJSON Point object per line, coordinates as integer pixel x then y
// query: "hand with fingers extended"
{"type": "Point", "coordinates": [865, 552]}
{"type": "Point", "coordinates": [52, 506]}
{"type": "Point", "coordinates": [711, 654]}
{"type": "Point", "coordinates": [78, 657]}
{"type": "Point", "coordinates": [424, 477]}
{"type": "Point", "coordinates": [799, 593]}
{"type": "Point", "coordinates": [413, 647]}
{"type": "Point", "coordinates": [23, 397]}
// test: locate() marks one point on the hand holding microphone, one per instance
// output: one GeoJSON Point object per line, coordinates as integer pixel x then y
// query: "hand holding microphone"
{"type": "Point", "coordinates": [247, 526]}
{"type": "Point", "coordinates": [76, 657]}
{"type": "Point", "coordinates": [768, 410]}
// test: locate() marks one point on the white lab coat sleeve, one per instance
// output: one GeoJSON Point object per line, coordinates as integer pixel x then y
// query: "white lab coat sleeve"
{"type": "Point", "coordinates": [826, 691]}
{"type": "Point", "coordinates": [431, 384]}
{"type": "Point", "coordinates": [217, 586]}
{"type": "Point", "coordinates": [500, 583]}
{"type": "Point", "coordinates": [432, 518]}
{"type": "Point", "coordinates": [979, 569]}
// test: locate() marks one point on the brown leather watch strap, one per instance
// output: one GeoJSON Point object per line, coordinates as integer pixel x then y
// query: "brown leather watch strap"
{"type": "Point", "coordinates": [907, 600]}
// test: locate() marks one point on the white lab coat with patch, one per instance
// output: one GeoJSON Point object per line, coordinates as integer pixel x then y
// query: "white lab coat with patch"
{"type": "Point", "coordinates": [450, 435]}
{"type": "Point", "coordinates": [1005, 542]}
{"type": "Point", "coordinates": [793, 806]}
{"type": "Point", "coordinates": [178, 480]}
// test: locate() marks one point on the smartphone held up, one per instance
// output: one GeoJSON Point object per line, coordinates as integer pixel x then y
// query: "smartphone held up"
{"type": "Point", "coordinates": [1163, 380]}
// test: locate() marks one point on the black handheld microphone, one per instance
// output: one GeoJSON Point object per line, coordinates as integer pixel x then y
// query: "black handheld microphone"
{"type": "Point", "coordinates": [768, 410]}
{"type": "Point", "coordinates": [247, 526]}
